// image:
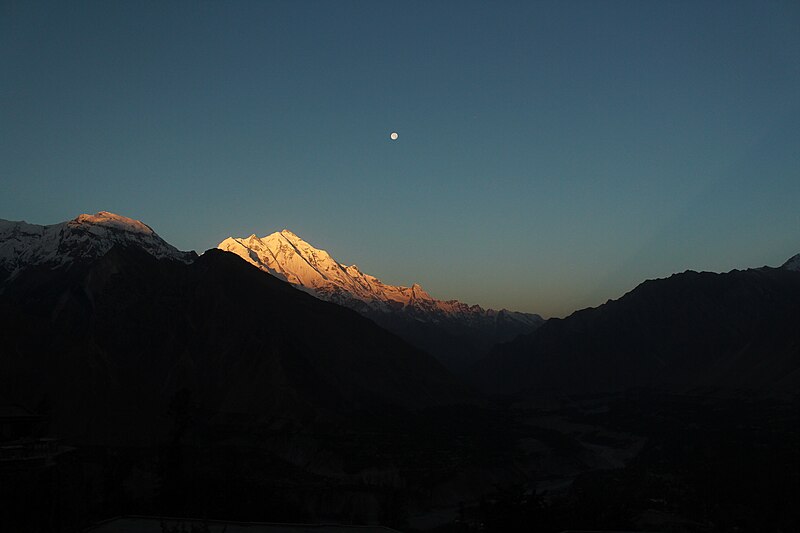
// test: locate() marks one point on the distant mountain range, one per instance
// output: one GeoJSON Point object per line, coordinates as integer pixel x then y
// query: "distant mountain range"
{"type": "Point", "coordinates": [453, 331]}
{"type": "Point", "coordinates": [108, 328]}
{"type": "Point", "coordinates": [693, 331]}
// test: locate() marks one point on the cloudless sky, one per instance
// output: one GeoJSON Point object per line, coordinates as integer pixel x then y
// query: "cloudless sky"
{"type": "Point", "coordinates": [552, 155]}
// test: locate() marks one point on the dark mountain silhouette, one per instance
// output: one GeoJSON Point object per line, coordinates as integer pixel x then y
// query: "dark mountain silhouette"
{"type": "Point", "coordinates": [739, 330]}
{"type": "Point", "coordinates": [117, 345]}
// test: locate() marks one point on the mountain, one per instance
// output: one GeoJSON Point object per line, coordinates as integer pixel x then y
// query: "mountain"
{"type": "Point", "coordinates": [691, 331]}
{"type": "Point", "coordinates": [110, 342]}
{"type": "Point", "coordinates": [793, 263]}
{"type": "Point", "coordinates": [85, 237]}
{"type": "Point", "coordinates": [453, 331]}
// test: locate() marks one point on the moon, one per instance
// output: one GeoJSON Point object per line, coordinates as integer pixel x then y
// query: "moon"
{"type": "Point", "coordinates": [393, 136]}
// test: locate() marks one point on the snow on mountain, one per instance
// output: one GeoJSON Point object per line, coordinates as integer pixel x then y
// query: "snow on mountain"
{"type": "Point", "coordinates": [290, 258]}
{"type": "Point", "coordinates": [792, 264]}
{"type": "Point", "coordinates": [87, 236]}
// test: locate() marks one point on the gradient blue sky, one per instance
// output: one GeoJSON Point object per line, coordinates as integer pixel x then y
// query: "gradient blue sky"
{"type": "Point", "coordinates": [551, 155]}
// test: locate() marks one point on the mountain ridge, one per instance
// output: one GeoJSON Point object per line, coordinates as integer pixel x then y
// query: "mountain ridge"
{"type": "Point", "coordinates": [793, 263]}
{"type": "Point", "coordinates": [690, 331]}
{"type": "Point", "coordinates": [317, 270]}
{"type": "Point", "coordinates": [86, 236]}
{"type": "Point", "coordinates": [442, 327]}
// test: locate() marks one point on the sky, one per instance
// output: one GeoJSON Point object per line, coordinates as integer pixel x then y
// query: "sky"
{"type": "Point", "coordinates": [551, 155]}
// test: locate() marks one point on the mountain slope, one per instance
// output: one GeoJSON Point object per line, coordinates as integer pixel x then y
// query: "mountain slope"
{"type": "Point", "coordinates": [453, 331]}
{"type": "Point", "coordinates": [692, 330]}
{"type": "Point", "coordinates": [111, 342]}
{"type": "Point", "coordinates": [793, 263]}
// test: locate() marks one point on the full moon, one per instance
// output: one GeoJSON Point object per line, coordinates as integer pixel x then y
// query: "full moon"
{"type": "Point", "coordinates": [394, 136]}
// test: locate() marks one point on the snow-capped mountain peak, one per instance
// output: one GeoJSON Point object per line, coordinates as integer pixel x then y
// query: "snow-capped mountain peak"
{"type": "Point", "coordinates": [289, 257]}
{"type": "Point", "coordinates": [86, 236]}
{"type": "Point", "coordinates": [111, 221]}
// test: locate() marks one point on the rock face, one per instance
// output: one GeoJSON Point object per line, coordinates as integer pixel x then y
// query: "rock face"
{"type": "Point", "coordinates": [118, 344]}
{"type": "Point", "coordinates": [455, 332]}
{"type": "Point", "coordinates": [691, 331]}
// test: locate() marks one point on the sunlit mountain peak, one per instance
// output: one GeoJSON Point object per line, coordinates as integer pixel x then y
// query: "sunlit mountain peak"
{"type": "Point", "coordinates": [289, 257]}
{"type": "Point", "coordinates": [84, 237]}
